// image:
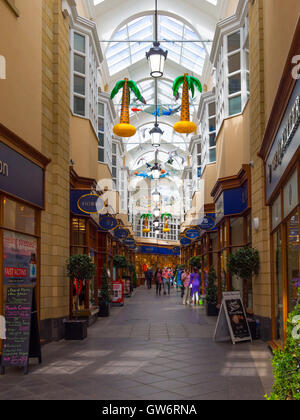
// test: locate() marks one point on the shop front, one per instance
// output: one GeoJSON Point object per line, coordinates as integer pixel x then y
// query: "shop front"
{"type": "Point", "coordinates": [84, 220]}
{"type": "Point", "coordinates": [282, 181]}
{"type": "Point", "coordinates": [22, 172]}
{"type": "Point", "coordinates": [232, 232]}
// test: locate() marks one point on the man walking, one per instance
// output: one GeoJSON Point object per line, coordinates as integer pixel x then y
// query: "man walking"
{"type": "Point", "coordinates": [149, 276]}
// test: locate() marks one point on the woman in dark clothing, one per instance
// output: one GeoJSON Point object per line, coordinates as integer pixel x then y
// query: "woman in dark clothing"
{"type": "Point", "coordinates": [158, 282]}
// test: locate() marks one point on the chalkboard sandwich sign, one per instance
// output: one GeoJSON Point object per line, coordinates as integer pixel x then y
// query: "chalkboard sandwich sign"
{"type": "Point", "coordinates": [22, 332]}
{"type": "Point", "coordinates": [232, 320]}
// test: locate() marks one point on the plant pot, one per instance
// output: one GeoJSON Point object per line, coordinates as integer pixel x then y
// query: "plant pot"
{"type": "Point", "coordinates": [211, 309]}
{"type": "Point", "coordinates": [104, 309]}
{"type": "Point", "coordinates": [75, 330]}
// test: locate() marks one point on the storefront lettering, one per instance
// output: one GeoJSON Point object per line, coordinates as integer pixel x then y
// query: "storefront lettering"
{"type": "Point", "coordinates": [3, 168]}
{"type": "Point", "coordinates": [286, 138]}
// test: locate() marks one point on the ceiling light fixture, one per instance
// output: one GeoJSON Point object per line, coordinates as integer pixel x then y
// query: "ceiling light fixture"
{"type": "Point", "coordinates": [156, 56]}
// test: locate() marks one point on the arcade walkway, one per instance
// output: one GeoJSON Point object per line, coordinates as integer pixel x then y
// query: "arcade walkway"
{"type": "Point", "coordinates": [153, 348]}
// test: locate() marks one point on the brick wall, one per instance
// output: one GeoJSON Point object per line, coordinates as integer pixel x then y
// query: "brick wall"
{"type": "Point", "coordinates": [260, 239]}
{"type": "Point", "coordinates": [55, 145]}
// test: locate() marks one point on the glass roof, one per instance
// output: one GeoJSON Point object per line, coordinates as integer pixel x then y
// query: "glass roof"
{"type": "Point", "coordinates": [121, 55]}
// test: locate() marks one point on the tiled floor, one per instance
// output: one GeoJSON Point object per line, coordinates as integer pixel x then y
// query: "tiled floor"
{"type": "Point", "coordinates": [154, 348]}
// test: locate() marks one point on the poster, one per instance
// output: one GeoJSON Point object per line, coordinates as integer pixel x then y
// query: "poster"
{"type": "Point", "coordinates": [19, 259]}
{"type": "Point", "coordinates": [118, 292]}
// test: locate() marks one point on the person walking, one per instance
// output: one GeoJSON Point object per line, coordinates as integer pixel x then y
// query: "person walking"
{"type": "Point", "coordinates": [149, 276]}
{"type": "Point", "coordinates": [166, 281]}
{"type": "Point", "coordinates": [158, 281]}
{"type": "Point", "coordinates": [185, 279]}
{"type": "Point", "coordinates": [195, 293]}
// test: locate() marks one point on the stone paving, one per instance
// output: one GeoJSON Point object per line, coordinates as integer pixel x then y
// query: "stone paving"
{"type": "Point", "coordinates": [153, 348]}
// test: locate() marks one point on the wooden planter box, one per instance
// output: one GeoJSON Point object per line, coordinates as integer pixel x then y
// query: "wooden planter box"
{"type": "Point", "coordinates": [211, 309]}
{"type": "Point", "coordinates": [75, 330]}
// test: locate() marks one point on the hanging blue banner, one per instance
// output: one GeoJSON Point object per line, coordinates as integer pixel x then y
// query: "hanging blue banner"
{"type": "Point", "coordinates": [107, 223]}
{"type": "Point", "coordinates": [192, 233]}
{"type": "Point", "coordinates": [83, 202]}
{"type": "Point", "coordinates": [185, 241]}
{"type": "Point", "coordinates": [176, 250]}
{"type": "Point", "coordinates": [129, 241]}
{"type": "Point", "coordinates": [158, 250]}
{"type": "Point", "coordinates": [121, 233]}
{"type": "Point", "coordinates": [209, 222]}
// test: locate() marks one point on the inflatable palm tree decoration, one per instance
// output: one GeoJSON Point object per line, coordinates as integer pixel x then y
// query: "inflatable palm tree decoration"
{"type": "Point", "coordinates": [125, 129]}
{"type": "Point", "coordinates": [146, 217]}
{"type": "Point", "coordinates": [166, 216]}
{"type": "Point", "coordinates": [189, 83]}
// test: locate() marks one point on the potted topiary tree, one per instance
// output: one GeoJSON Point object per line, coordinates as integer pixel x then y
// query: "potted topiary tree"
{"type": "Point", "coordinates": [286, 362]}
{"type": "Point", "coordinates": [121, 263]}
{"type": "Point", "coordinates": [104, 297]}
{"type": "Point", "coordinates": [212, 294]}
{"type": "Point", "coordinates": [195, 262]}
{"type": "Point", "coordinates": [244, 263]}
{"type": "Point", "coordinates": [80, 269]}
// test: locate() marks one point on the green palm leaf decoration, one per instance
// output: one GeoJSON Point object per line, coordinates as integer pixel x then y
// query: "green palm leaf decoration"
{"type": "Point", "coordinates": [146, 217]}
{"type": "Point", "coordinates": [168, 215]}
{"type": "Point", "coordinates": [189, 83]}
{"type": "Point", "coordinates": [125, 129]}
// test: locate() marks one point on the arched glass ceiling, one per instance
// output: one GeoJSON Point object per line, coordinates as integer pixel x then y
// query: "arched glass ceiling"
{"type": "Point", "coordinates": [121, 55]}
{"type": "Point", "coordinates": [170, 136]}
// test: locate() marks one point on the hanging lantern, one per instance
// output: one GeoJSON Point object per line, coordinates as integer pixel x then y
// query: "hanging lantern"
{"type": "Point", "coordinates": [156, 222]}
{"type": "Point", "coordinates": [156, 196]}
{"type": "Point", "coordinates": [156, 171]}
{"type": "Point", "coordinates": [156, 57]}
{"type": "Point", "coordinates": [156, 134]}
{"type": "Point", "coordinates": [156, 212]}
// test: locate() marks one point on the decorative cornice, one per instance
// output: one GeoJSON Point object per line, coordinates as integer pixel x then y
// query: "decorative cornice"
{"type": "Point", "coordinates": [15, 142]}
{"type": "Point", "coordinates": [80, 182]}
{"type": "Point", "coordinates": [231, 182]}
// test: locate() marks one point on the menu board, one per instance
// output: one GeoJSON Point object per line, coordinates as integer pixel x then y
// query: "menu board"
{"type": "Point", "coordinates": [232, 321]}
{"type": "Point", "coordinates": [22, 337]}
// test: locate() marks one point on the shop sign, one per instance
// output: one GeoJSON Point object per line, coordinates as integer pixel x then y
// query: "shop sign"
{"type": "Point", "coordinates": [285, 144]}
{"type": "Point", "coordinates": [158, 250]}
{"type": "Point", "coordinates": [209, 222]}
{"type": "Point", "coordinates": [107, 223]}
{"type": "Point", "coordinates": [83, 202]}
{"type": "Point", "coordinates": [118, 292]}
{"type": "Point", "coordinates": [19, 259]}
{"type": "Point", "coordinates": [90, 203]}
{"type": "Point", "coordinates": [129, 241]}
{"type": "Point", "coordinates": [21, 177]}
{"type": "Point", "coordinates": [233, 201]}
{"type": "Point", "coordinates": [121, 233]}
{"type": "Point", "coordinates": [192, 233]}
{"type": "Point", "coordinates": [176, 250]}
{"type": "Point", "coordinates": [185, 241]}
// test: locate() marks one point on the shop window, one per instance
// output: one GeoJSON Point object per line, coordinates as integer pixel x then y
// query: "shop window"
{"type": "Point", "coordinates": [293, 260]}
{"type": "Point", "coordinates": [101, 132]}
{"type": "Point", "coordinates": [278, 289]}
{"type": "Point", "coordinates": [78, 231]}
{"type": "Point", "coordinates": [236, 231]}
{"type": "Point", "coordinates": [18, 216]}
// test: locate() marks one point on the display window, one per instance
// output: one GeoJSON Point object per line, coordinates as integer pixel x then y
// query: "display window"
{"type": "Point", "coordinates": [83, 238]}
{"type": "Point", "coordinates": [20, 244]}
{"type": "Point", "coordinates": [285, 255]}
